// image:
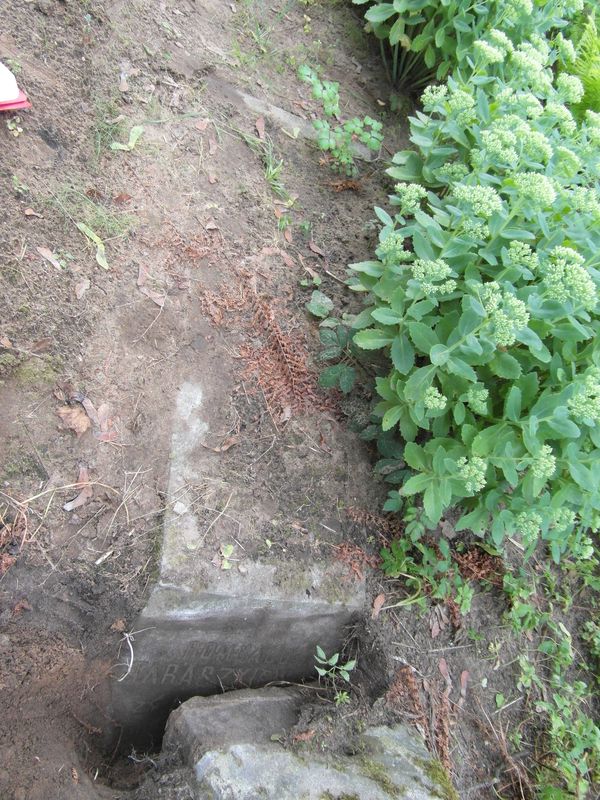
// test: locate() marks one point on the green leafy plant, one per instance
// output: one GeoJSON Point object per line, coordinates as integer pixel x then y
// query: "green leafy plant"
{"type": "Point", "coordinates": [338, 140]}
{"type": "Point", "coordinates": [586, 66]}
{"type": "Point", "coordinates": [319, 305]}
{"type": "Point", "coordinates": [97, 241]}
{"type": "Point", "coordinates": [331, 669]}
{"type": "Point", "coordinates": [272, 165]}
{"type": "Point", "coordinates": [591, 635]}
{"type": "Point", "coordinates": [13, 125]}
{"type": "Point", "coordinates": [20, 188]}
{"type": "Point", "coordinates": [424, 565]}
{"type": "Point", "coordinates": [484, 296]}
{"type": "Point", "coordinates": [424, 40]}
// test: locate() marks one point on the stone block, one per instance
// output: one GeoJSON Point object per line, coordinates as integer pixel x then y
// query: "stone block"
{"type": "Point", "coordinates": [253, 716]}
{"type": "Point", "coordinates": [394, 766]}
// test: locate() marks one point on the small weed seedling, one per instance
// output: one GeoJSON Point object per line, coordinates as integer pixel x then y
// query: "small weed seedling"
{"type": "Point", "coordinates": [20, 188]}
{"type": "Point", "coordinates": [14, 126]}
{"type": "Point", "coordinates": [271, 164]}
{"type": "Point", "coordinates": [338, 140]}
{"type": "Point", "coordinates": [333, 671]}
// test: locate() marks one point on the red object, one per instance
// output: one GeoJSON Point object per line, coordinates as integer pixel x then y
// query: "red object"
{"type": "Point", "coordinates": [13, 105]}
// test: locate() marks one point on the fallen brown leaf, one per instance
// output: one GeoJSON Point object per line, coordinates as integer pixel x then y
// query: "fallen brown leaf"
{"type": "Point", "coordinates": [316, 249]}
{"type": "Point", "coordinates": [74, 775]}
{"type": "Point", "coordinates": [6, 562]}
{"type": "Point", "coordinates": [42, 345]}
{"type": "Point", "coordinates": [107, 436]}
{"type": "Point", "coordinates": [155, 296]}
{"type": "Point", "coordinates": [287, 235]}
{"type": "Point", "coordinates": [222, 448]}
{"type": "Point", "coordinates": [304, 736]}
{"type": "Point", "coordinates": [103, 417]}
{"type": "Point", "coordinates": [93, 193]}
{"type": "Point", "coordinates": [118, 625]}
{"type": "Point", "coordinates": [29, 212]}
{"type": "Point", "coordinates": [5, 342]}
{"type": "Point", "coordinates": [20, 607]}
{"type": "Point", "coordinates": [87, 490]}
{"type": "Point", "coordinates": [287, 259]}
{"type": "Point", "coordinates": [105, 424]}
{"type": "Point", "coordinates": [377, 605]}
{"type": "Point", "coordinates": [74, 418]}
{"type": "Point", "coordinates": [202, 124]}
{"type": "Point", "coordinates": [260, 127]}
{"type": "Point", "coordinates": [212, 145]}
{"type": "Point", "coordinates": [49, 256]}
{"type": "Point", "coordinates": [443, 668]}
{"type": "Point", "coordinates": [121, 198]}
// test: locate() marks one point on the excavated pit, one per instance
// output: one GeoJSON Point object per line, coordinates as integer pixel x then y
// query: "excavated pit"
{"type": "Point", "coordinates": [206, 630]}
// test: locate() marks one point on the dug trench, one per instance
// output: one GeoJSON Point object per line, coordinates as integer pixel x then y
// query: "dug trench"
{"type": "Point", "coordinates": [246, 621]}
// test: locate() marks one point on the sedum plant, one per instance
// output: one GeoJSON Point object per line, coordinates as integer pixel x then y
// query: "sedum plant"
{"type": "Point", "coordinates": [484, 295]}
{"type": "Point", "coordinates": [481, 319]}
{"type": "Point", "coordinates": [424, 40]}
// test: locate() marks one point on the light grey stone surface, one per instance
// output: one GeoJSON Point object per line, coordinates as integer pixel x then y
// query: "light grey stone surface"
{"type": "Point", "coordinates": [204, 629]}
{"type": "Point", "coordinates": [293, 123]}
{"type": "Point", "coordinates": [389, 762]}
{"type": "Point", "coordinates": [248, 715]}
{"type": "Point", "coordinates": [249, 772]}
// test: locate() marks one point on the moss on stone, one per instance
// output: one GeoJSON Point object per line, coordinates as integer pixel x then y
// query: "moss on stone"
{"type": "Point", "coordinates": [292, 578]}
{"type": "Point", "coordinates": [37, 370]}
{"type": "Point", "coordinates": [8, 362]}
{"type": "Point", "coordinates": [333, 589]}
{"type": "Point", "coordinates": [437, 773]}
{"type": "Point", "coordinates": [376, 772]}
{"type": "Point", "coordinates": [344, 796]}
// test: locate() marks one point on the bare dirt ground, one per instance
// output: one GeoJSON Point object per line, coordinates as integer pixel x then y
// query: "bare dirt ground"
{"type": "Point", "coordinates": [205, 258]}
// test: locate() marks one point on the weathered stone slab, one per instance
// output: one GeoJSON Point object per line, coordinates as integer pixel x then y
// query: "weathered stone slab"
{"type": "Point", "coordinates": [283, 119]}
{"type": "Point", "coordinates": [248, 715]}
{"type": "Point", "coordinates": [235, 758]}
{"type": "Point", "coordinates": [292, 122]}
{"type": "Point", "coordinates": [205, 629]}
{"type": "Point", "coordinates": [248, 772]}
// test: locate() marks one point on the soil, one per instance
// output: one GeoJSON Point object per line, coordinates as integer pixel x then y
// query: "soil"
{"type": "Point", "coordinates": [203, 267]}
